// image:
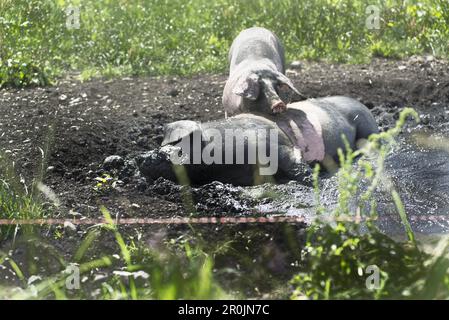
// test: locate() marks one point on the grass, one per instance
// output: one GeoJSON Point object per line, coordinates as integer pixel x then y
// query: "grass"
{"type": "Point", "coordinates": [15, 200]}
{"type": "Point", "coordinates": [160, 37]}
{"type": "Point", "coordinates": [129, 270]}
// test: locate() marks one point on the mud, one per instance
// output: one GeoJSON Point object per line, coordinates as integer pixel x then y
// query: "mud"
{"type": "Point", "coordinates": [70, 129]}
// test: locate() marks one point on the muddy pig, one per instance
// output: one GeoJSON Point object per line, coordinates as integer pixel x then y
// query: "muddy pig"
{"type": "Point", "coordinates": [228, 150]}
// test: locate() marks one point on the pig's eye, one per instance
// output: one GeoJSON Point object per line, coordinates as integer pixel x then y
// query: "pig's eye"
{"type": "Point", "coordinates": [283, 87]}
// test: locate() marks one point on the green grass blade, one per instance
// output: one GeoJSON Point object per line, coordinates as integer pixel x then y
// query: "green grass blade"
{"type": "Point", "coordinates": [401, 210]}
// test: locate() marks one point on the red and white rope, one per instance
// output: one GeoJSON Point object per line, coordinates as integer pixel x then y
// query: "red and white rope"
{"type": "Point", "coordinates": [203, 220]}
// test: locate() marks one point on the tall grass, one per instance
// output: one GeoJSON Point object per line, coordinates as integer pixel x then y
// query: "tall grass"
{"type": "Point", "coordinates": [159, 37]}
{"type": "Point", "coordinates": [16, 202]}
{"type": "Point", "coordinates": [339, 258]}
{"type": "Point", "coordinates": [137, 272]}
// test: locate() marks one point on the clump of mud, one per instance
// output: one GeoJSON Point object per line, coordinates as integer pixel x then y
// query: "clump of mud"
{"type": "Point", "coordinates": [211, 199]}
{"type": "Point", "coordinates": [152, 174]}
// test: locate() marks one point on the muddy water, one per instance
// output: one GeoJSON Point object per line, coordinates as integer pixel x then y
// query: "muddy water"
{"type": "Point", "coordinates": [421, 177]}
{"type": "Point", "coordinates": [419, 174]}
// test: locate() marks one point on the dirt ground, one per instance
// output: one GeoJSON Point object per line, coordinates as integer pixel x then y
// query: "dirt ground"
{"type": "Point", "coordinates": [69, 129]}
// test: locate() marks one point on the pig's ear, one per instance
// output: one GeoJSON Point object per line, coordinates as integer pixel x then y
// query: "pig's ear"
{"type": "Point", "coordinates": [175, 131]}
{"type": "Point", "coordinates": [295, 94]}
{"type": "Point", "coordinates": [247, 86]}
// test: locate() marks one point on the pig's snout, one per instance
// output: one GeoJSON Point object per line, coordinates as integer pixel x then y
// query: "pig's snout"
{"type": "Point", "coordinates": [272, 97]}
{"type": "Point", "coordinates": [278, 106]}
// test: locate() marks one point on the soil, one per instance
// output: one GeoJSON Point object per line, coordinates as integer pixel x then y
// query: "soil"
{"type": "Point", "coordinates": [69, 129]}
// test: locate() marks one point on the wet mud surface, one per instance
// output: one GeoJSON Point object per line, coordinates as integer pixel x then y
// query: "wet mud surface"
{"type": "Point", "coordinates": [70, 129]}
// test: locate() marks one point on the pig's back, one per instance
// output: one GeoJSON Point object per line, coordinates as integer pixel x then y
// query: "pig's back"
{"type": "Point", "coordinates": [337, 116]}
{"type": "Point", "coordinates": [257, 44]}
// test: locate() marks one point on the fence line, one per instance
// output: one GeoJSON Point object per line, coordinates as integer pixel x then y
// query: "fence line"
{"type": "Point", "coordinates": [206, 220]}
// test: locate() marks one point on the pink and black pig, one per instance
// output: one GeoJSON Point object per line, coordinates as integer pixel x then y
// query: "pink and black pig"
{"type": "Point", "coordinates": [257, 81]}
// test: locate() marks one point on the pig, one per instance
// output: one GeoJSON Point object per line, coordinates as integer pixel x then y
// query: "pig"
{"type": "Point", "coordinates": [308, 132]}
{"type": "Point", "coordinates": [257, 81]}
